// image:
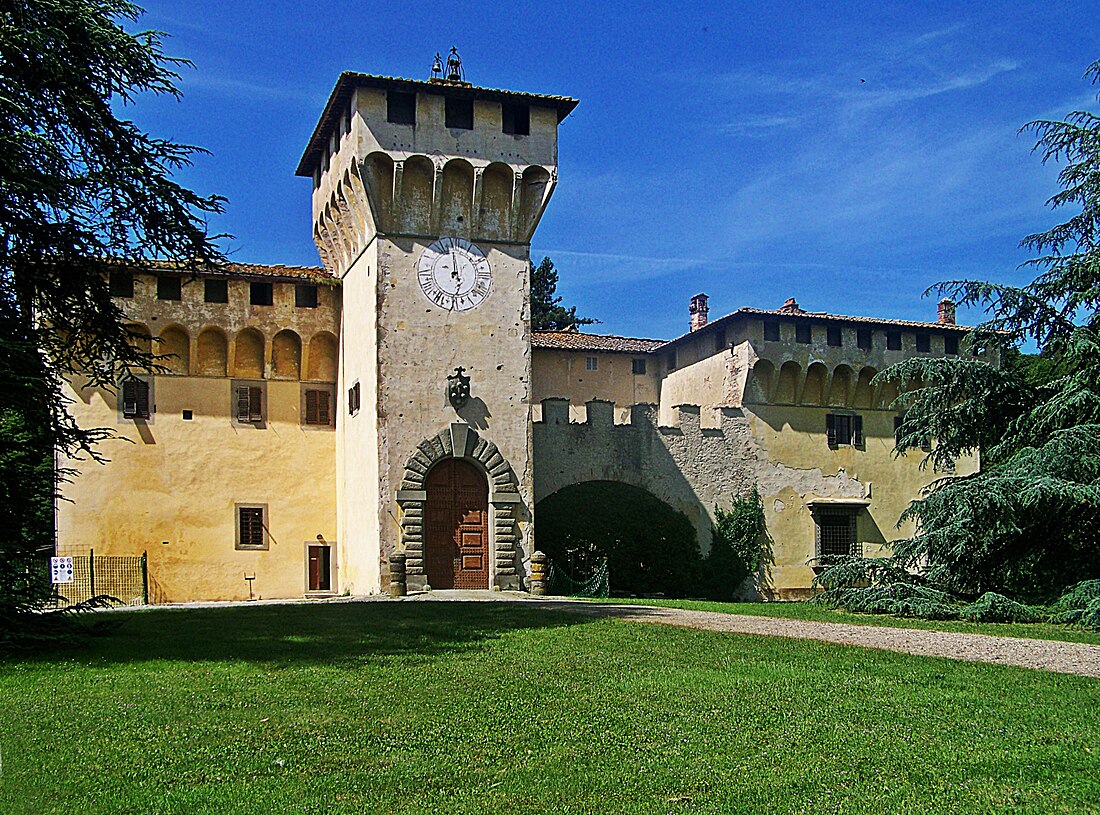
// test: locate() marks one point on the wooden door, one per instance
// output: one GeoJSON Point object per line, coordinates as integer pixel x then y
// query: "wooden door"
{"type": "Point", "coordinates": [319, 569]}
{"type": "Point", "coordinates": [456, 526]}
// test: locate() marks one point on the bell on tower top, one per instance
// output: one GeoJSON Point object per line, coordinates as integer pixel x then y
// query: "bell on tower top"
{"type": "Point", "coordinates": [437, 68]}
{"type": "Point", "coordinates": [451, 73]}
{"type": "Point", "coordinates": [454, 66]}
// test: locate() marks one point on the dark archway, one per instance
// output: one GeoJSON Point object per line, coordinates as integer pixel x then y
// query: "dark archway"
{"type": "Point", "coordinates": [650, 547]}
{"type": "Point", "coordinates": [456, 526]}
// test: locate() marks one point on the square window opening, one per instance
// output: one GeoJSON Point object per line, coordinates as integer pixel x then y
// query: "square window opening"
{"type": "Point", "coordinates": [832, 336]}
{"type": "Point", "coordinates": [401, 108]}
{"type": "Point", "coordinates": [893, 340]}
{"type": "Point", "coordinates": [305, 295]}
{"type": "Point", "coordinates": [251, 527]}
{"type": "Point", "coordinates": [459, 113]}
{"type": "Point", "coordinates": [215, 291]}
{"type": "Point", "coordinates": [802, 333]}
{"type": "Point", "coordinates": [121, 284]}
{"type": "Point", "coordinates": [863, 339]}
{"type": "Point", "coordinates": [771, 331]}
{"type": "Point", "coordinates": [924, 343]}
{"type": "Point", "coordinates": [670, 361]}
{"type": "Point", "coordinates": [591, 364]}
{"type": "Point", "coordinates": [515, 120]}
{"type": "Point", "coordinates": [951, 345]}
{"type": "Point", "coordinates": [135, 398]}
{"type": "Point", "coordinates": [637, 366]}
{"type": "Point", "coordinates": [260, 294]}
{"type": "Point", "coordinates": [169, 288]}
{"type": "Point", "coordinates": [843, 429]}
{"type": "Point", "coordinates": [836, 534]}
{"type": "Point", "coordinates": [249, 404]}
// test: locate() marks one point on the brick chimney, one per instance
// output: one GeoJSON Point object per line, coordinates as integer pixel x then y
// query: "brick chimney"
{"type": "Point", "coordinates": [698, 310]}
{"type": "Point", "coordinates": [790, 307]}
{"type": "Point", "coordinates": [946, 312]}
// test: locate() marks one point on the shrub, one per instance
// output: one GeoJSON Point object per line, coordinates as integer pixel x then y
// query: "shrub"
{"type": "Point", "coordinates": [996, 608]}
{"type": "Point", "coordinates": [739, 547]}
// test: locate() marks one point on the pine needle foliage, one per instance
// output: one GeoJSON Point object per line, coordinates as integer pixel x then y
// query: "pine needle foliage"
{"type": "Point", "coordinates": [740, 548]}
{"type": "Point", "coordinates": [547, 312]}
{"type": "Point", "coordinates": [996, 608]}
{"type": "Point", "coordinates": [1027, 524]}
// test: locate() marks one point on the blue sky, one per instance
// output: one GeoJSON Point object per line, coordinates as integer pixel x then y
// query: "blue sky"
{"type": "Point", "coordinates": [848, 155]}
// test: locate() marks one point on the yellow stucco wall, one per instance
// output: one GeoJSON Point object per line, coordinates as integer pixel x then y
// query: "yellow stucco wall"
{"type": "Point", "coordinates": [563, 374]}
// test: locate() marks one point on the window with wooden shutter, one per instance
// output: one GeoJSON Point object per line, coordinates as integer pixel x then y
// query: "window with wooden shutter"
{"type": "Point", "coordinates": [250, 404]}
{"type": "Point", "coordinates": [830, 428]}
{"type": "Point", "coordinates": [135, 398]}
{"type": "Point", "coordinates": [857, 431]}
{"type": "Point", "coordinates": [318, 407]}
{"type": "Point", "coordinates": [843, 429]}
{"type": "Point", "coordinates": [353, 399]}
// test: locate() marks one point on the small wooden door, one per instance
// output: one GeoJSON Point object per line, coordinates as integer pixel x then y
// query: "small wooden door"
{"type": "Point", "coordinates": [320, 569]}
{"type": "Point", "coordinates": [456, 526]}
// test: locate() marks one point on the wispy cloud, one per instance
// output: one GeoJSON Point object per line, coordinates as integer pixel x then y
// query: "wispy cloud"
{"type": "Point", "coordinates": [878, 98]}
{"type": "Point", "coordinates": [756, 125]}
{"type": "Point", "coordinates": [240, 89]}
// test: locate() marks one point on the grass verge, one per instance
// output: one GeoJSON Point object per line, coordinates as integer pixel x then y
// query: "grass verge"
{"type": "Point", "coordinates": [508, 708]}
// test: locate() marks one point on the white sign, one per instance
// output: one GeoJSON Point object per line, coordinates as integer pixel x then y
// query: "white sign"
{"type": "Point", "coordinates": [61, 569]}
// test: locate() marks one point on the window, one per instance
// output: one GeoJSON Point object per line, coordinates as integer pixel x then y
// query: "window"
{"type": "Point", "coordinates": [844, 429]}
{"type": "Point", "coordinates": [401, 108]}
{"type": "Point", "coordinates": [135, 398]}
{"type": "Point", "coordinates": [670, 360]}
{"type": "Point", "coordinates": [121, 284]}
{"type": "Point", "coordinates": [771, 331]}
{"type": "Point", "coordinates": [591, 364]}
{"type": "Point", "coordinates": [318, 407]}
{"type": "Point", "coordinates": [515, 120]}
{"type": "Point", "coordinates": [924, 343]}
{"type": "Point", "coordinates": [305, 295]}
{"type": "Point", "coordinates": [249, 403]}
{"type": "Point", "coordinates": [168, 288]}
{"type": "Point", "coordinates": [926, 442]}
{"type": "Point", "coordinates": [353, 399]}
{"type": "Point", "coordinates": [951, 345]}
{"type": "Point", "coordinates": [835, 533]}
{"type": "Point", "coordinates": [719, 342]}
{"type": "Point", "coordinates": [637, 366]}
{"type": "Point", "coordinates": [802, 332]}
{"type": "Point", "coordinates": [863, 339]}
{"type": "Point", "coordinates": [459, 113]}
{"type": "Point", "coordinates": [832, 335]}
{"type": "Point", "coordinates": [893, 340]}
{"type": "Point", "coordinates": [215, 291]}
{"type": "Point", "coordinates": [251, 526]}
{"type": "Point", "coordinates": [260, 294]}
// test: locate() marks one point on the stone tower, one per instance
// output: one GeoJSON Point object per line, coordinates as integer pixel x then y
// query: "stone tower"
{"type": "Point", "coordinates": [425, 198]}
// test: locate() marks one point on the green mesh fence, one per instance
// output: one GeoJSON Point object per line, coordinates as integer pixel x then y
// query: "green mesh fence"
{"type": "Point", "coordinates": [560, 584]}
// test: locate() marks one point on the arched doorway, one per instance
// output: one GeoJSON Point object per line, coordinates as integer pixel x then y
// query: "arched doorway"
{"type": "Point", "coordinates": [456, 526]}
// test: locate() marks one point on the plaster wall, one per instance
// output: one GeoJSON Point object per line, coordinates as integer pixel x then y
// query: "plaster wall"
{"type": "Point", "coordinates": [358, 499]}
{"type": "Point", "coordinates": [171, 485]}
{"type": "Point", "coordinates": [563, 374]}
{"type": "Point", "coordinates": [711, 382]}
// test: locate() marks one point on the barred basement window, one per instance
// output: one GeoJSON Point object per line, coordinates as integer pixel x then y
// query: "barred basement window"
{"type": "Point", "coordinates": [591, 364]}
{"type": "Point", "coordinates": [135, 398]}
{"type": "Point", "coordinates": [318, 407]}
{"type": "Point", "coordinates": [893, 340]}
{"type": "Point", "coordinates": [863, 339]}
{"type": "Point", "coordinates": [771, 331]}
{"type": "Point", "coordinates": [250, 404]}
{"type": "Point", "coordinates": [835, 534]}
{"type": "Point", "coordinates": [844, 429]}
{"type": "Point", "coordinates": [637, 366]}
{"type": "Point", "coordinates": [251, 526]}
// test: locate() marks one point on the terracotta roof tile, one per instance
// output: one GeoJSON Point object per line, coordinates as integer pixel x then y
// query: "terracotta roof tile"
{"type": "Point", "coordinates": [576, 341]}
{"type": "Point", "coordinates": [276, 270]}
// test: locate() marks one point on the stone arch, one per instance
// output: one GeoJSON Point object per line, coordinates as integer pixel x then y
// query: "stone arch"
{"type": "Point", "coordinates": [248, 354]}
{"type": "Point", "coordinates": [457, 198]}
{"type": "Point", "coordinates": [813, 392]}
{"type": "Point", "coordinates": [759, 387]}
{"type": "Point", "coordinates": [865, 391]}
{"type": "Point", "coordinates": [495, 213]}
{"type": "Point", "coordinates": [140, 337]}
{"type": "Point", "coordinates": [174, 347]}
{"type": "Point", "coordinates": [532, 197]}
{"type": "Point", "coordinates": [461, 441]}
{"type": "Point", "coordinates": [322, 359]}
{"type": "Point", "coordinates": [840, 385]}
{"type": "Point", "coordinates": [286, 355]}
{"type": "Point", "coordinates": [888, 394]}
{"type": "Point", "coordinates": [378, 174]}
{"type": "Point", "coordinates": [786, 388]}
{"type": "Point", "coordinates": [213, 352]}
{"type": "Point", "coordinates": [417, 187]}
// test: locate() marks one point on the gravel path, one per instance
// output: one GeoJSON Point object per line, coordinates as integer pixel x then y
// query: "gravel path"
{"type": "Point", "coordinates": [1044, 655]}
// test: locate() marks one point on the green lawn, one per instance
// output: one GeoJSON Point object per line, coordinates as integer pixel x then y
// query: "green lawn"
{"type": "Point", "coordinates": [818, 612]}
{"type": "Point", "coordinates": [506, 708]}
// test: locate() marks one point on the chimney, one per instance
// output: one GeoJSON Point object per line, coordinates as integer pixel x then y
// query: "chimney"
{"type": "Point", "coordinates": [790, 307]}
{"type": "Point", "coordinates": [946, 312]}
{"type": "Point", "coordinates": [698, 310]}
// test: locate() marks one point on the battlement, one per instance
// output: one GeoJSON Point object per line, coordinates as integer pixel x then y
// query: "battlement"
{"type": "Point", "coordinates": [601, 413]}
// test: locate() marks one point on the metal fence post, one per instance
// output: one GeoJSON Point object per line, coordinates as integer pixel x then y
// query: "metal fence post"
{"type": "Point", "coordinates": [91, 571]}
{"type": "Point", "coordinates": [145, 578]}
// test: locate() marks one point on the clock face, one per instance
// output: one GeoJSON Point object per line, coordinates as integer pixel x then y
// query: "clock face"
{"type": "Point", "coordinates": [454, 274]}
